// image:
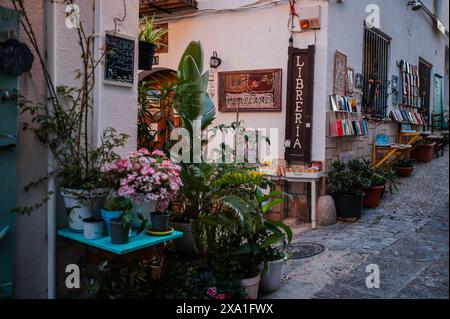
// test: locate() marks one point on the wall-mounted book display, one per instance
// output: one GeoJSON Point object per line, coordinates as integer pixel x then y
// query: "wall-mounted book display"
{"type": "Point", "coordinates": [410, 84]}
{"type": "Point", "coordinates": [342, 125]}
{"type": "Point", "coordinates": [407, 117]}
{"type": "Point", "coordinates": [345, 103]}
{"type": "Point", "coordinates": [345, 118]}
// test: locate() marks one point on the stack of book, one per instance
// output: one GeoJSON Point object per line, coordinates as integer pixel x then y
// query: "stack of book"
{"type": "Point", "coordinates": [349, 128]}
{"type": "Point", "coordinates": [408, 117]}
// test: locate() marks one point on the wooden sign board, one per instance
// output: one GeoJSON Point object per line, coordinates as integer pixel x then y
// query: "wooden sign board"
{"type": "Point", "coordinates": [300, 104]}
{"type": "Point", "coordinates": [119, 60]}
{"type": "Point", "coordinates": [340, 74]}
{"type": "Point", "coordinates": [250, 91]}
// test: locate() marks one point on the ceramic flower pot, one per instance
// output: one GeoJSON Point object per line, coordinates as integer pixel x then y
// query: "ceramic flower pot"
{"type": "Point", "coordinates": [93, 228]}
{"type": "Point", "coordinates": [160, 221]}
{"type": "Point", "coordinates": [348, 206]}
{"type": "Point", "coordinates": [271, 279]}
{"type": "Point", "coordinates": [373, 196]}
{"type": "Point", "coordinates": [107, 216]}
{"type": "Point", "coordinates": [405, 171]}
{"type": "Point", "coordinates": [81, 204]}
{"type": "Point", "coordinates": [186, 244]}
{"type": "Point", "coordinates": [119, 235]}
{"type": "Point", "coordinates": [251, 286]}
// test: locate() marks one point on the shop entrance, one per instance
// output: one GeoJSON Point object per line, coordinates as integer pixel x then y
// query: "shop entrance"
{"type": "Point", "coordinates": [425, 84]}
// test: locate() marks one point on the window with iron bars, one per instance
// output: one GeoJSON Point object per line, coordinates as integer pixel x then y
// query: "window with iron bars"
{"type": "Point", "coordinates": [375, 71]}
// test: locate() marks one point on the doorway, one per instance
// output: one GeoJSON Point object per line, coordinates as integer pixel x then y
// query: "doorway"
{"type": "Point", "coordinates": [425, 85]}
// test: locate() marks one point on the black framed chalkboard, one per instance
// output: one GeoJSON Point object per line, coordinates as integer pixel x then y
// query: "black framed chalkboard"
{"type": "Point", "coordinates": [119, 60]}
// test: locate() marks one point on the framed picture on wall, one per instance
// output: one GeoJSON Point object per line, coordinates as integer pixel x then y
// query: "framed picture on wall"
{"type": "Point", "coordinates": [340, 74]}
{"type": "Point", "coordinates": [250, 91]}
{"type": "Point", "coordinates": [350, 82]}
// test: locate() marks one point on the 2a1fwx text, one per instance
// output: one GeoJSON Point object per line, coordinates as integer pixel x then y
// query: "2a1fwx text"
{"type": "Point", "coordinates": [225, 309]}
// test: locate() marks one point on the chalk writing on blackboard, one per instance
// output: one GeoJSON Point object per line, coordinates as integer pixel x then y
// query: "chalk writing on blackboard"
{"type": "Point", "coordinates": [119, 60]}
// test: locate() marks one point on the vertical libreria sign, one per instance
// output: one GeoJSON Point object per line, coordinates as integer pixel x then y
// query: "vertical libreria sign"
{"type": "Point", "coordinates": [299, 104]}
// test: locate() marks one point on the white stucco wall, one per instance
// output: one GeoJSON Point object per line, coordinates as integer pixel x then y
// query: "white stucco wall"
{"type": "Point", "coordinates": [255, 39]}
{"type": "Point", "coordinates": [413, 35]}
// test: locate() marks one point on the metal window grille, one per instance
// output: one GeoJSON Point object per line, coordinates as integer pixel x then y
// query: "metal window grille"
{"type": "Point", "coordinates": [375, 70]}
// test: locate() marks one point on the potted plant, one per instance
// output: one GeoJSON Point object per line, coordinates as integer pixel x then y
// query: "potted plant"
{"type": "Point", "coordinates": [121, 227]}
{"type": "Point", "coordinates": [346, 182]}
{"type": "Point", "coordinates": [375, 191]}
{"type": "Point", "coordinates": [148, 38]}
{"type": "Point", "coordinates": [191, 103]}
{"type": "Point", "coordinates": [93, 228]}
{"type": "Point", "coordinates": [64, 125]}
{"type": "Point", "coordinates": [79, 166]}
{"type": "Point", "coordinates": [150, 180]}
{"type": "Point", "coordinates": [113, 208]}
{"type": "Point", "coordinates": [423, 151]}
{"type": "Point", "coordinates": [273, 269]}
{"type": "Point", "coordinates": [240, 223]}
{"type": "Point", "coordinates": [405, 167]}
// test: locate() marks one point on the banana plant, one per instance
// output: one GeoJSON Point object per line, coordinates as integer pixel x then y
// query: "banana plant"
{"type": "Point", "coordinates": [191, 100]}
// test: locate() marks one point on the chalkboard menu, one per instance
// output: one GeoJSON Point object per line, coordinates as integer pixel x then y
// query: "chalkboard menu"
{"type": "Point", "coordinates": [119, 60]}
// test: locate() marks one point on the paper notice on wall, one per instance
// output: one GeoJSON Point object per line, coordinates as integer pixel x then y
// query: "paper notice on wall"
{"type": "Point", "coordinates": [212, 86]}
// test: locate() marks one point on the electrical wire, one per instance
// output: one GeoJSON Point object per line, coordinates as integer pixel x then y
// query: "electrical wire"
{"type": "Point", "coordinates": [260, 4]}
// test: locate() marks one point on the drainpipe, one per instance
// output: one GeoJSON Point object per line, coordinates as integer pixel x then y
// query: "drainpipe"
{"type": "Point", "coordinates": [96, 112]}
{"type": "Point", "coordinates": [51, 186]}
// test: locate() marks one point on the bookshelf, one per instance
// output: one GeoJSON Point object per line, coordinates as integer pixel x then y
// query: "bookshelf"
{"type": "Point", "coordinates": [346, 124]}
{"type": "Point", "coordinates": [345, 118]}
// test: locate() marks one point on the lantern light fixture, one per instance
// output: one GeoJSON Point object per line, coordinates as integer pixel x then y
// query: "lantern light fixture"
{"type": "Point", "coordinates": [215, 61]}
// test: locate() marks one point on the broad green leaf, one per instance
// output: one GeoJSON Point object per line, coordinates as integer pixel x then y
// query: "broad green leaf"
{"type": "Point", "coordinates": [283, 226]}
{"type": "Point", "coordinates": [272, 203]}
{"type": "Point", "coordinates": [272, 239]}
{"type": "Point", "coordinates": [194, 49]}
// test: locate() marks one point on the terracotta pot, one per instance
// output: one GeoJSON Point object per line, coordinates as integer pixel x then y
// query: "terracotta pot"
{"type": "Point", "coordinates": [405, 171]}
{"type": "Point", "coordinates": [373, 196]}
{"type": "Point", "coordinates": [423, 152]}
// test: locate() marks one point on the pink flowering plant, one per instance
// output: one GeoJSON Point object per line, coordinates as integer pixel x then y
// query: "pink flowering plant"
{"type": "Point", "coordinates": [212, 293]}
{"type": "Point", "coordinates": [143, 176]}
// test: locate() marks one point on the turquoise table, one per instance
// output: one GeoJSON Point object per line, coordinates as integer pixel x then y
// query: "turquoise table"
{"type": "Point", "coordinates": [136, 243]}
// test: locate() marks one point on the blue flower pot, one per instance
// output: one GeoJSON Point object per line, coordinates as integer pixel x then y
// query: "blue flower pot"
{"type": "Point", "coordinates": [107, 215]}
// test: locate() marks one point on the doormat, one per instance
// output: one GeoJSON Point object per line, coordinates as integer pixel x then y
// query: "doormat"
{"type": "Point", "coordinates": [304, 250]}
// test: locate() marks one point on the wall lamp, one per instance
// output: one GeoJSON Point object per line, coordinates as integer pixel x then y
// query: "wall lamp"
{"type": "Point", "coordinates": [415, 5]}
{"type": "Point", "coordinates": [215, 61]}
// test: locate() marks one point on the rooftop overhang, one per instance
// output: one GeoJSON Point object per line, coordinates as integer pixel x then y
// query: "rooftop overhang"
{"type": "Point", "coordinates": [166, 8]}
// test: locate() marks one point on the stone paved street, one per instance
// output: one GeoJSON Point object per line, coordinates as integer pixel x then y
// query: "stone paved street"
{"type": "Point", "coordinates": [407, 237]}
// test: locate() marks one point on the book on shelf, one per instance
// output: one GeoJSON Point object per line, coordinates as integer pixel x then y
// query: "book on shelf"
{"type": "Point", "coordinates": [340, 131]}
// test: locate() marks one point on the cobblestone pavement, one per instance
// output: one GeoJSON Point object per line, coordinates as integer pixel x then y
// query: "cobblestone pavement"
{"type": "Point", "coordinates": [407, 237]}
